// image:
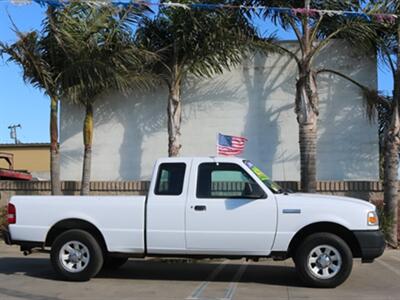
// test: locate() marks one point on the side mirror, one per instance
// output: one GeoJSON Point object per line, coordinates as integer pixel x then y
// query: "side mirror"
{"type": "Point", "coordinates": [253, 191]}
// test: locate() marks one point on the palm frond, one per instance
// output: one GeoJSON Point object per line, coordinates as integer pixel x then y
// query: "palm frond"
{"type": "Point", "coordinates": [200, 42]}
{"type": "Point", "coordinates": [98, 51]}
{"type": "Point", "coordinates": [28, 54]}
{"type": "Point", "coordinates": [372, 98]}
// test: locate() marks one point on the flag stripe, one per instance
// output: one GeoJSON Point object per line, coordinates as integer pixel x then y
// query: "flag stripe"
{"type": "Point", "coordinates": [230, 150]}
{"type": "Point", "coordinates": [230, 145]}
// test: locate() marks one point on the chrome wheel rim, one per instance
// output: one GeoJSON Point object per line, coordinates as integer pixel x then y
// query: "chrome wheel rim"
{"type": "Point", "coordinates": [74, 256]}
{"type": "Point", "coordinates": [324, 262]}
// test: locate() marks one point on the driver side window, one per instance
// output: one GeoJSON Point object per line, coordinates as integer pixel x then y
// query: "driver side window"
{"type": "Point", "coordinates": [223, 180]}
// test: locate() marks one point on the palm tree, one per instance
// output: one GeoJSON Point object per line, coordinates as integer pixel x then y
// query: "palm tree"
{"type": "Point", "coordinates": [392, 140]}
{"type": "Point", "coordinates": [192, 41]}
{"type": "Point", "coordinates": [314, 32]}
{"type": "Point", "coordinates": [35, 53]}
{"type": "Point", "coordinates": [99, 57]}
{"type": "Point", "coordinates": [387, 43]}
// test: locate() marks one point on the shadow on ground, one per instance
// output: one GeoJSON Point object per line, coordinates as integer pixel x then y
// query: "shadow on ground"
{"type": "Point", "coordinates": [162, 271]}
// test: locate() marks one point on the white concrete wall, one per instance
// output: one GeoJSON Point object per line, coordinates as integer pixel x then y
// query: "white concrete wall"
{"type": "Point", "coordinates": [255, 100]}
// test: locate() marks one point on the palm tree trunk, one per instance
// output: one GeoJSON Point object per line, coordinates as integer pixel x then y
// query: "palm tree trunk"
{"type": "Point", "coordinates": [54, 149]}
{"type": "Point", "coordinates": [307, 109]}
{"type": "Point", "coordinates": [174, 111]}
{"type": "Point", "coordinates": [87, 157]}
{"type": "Point", "coordinates": [391, 187]}
{"type": "Point", "coordinates": [307, 115]}
{"type": "Point", "coordinates": [391, 164]}
{"type": "Point", "coordinates": [308, 153]}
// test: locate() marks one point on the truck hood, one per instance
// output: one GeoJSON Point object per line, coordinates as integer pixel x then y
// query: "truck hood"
{"type": "Point", "coordinates": [319, 197]}
{"type": "Point", "coordinates": [299, 210]}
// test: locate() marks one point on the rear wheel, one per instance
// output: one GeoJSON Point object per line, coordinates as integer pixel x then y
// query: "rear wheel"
{"type": "Point", "coordinates": [76, 255]}
{"type": "Point", "coordinates": [323, 260]}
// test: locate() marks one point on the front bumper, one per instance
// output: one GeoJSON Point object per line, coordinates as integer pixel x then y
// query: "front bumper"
{"type": "Point", "coordinates": [372, 244]}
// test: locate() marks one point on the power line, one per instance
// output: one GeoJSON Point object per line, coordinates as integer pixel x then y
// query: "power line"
{"type": "Point", "coordinates": [381, 17]}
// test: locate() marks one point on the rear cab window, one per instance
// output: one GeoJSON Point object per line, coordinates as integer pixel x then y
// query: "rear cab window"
{"type": "Point", "coordinates": [170, 179]}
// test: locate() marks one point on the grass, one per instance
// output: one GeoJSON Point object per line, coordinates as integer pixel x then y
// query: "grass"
{"type": "Point", "coordinates": [385, 222]}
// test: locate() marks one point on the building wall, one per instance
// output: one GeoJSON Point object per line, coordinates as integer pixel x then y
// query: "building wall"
{"type": "Point", "coordinates": [34, 158]}
{"type": "Point", "coordinates": [255, 100]}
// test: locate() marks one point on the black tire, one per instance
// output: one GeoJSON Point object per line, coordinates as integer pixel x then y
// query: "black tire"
{"type": "Point", "coordinates": [313, 273]}
{"type": "Point", "coordinates": [93, 255]}
{"type": "Point", "coordinates": [114, 263]}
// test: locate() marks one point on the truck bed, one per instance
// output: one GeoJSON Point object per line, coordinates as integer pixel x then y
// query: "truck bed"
{"type": "Point", "coordinates": [119, 218]}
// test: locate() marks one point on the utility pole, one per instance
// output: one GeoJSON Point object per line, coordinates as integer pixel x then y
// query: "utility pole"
{"type": "Point", "coordinates": [13, 133]}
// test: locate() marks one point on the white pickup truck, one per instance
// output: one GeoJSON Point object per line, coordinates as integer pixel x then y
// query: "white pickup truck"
{"type": "Point", "coordinates": [203, 208]}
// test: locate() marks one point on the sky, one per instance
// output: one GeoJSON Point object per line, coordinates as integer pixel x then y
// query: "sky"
{"type": "Point", "coordinates": [23, 104]}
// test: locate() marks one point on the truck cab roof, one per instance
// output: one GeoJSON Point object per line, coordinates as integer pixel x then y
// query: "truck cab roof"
{"type": "Point", "coordinates": [205, 158]}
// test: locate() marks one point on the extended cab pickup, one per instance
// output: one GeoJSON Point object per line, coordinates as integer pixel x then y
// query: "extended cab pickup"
{"type": "Point", "coordinates": [200, 207]}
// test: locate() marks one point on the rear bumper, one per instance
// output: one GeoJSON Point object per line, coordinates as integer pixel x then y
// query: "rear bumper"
{"type": "Point", "coordinates": [372, 244]}
{"type": "Point", "coordinates": [6, 236]}
{"type": "Point", "coordinates": [24, 245]}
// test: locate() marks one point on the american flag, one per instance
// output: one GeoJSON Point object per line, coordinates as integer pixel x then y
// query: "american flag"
{"type": "Point", "coordinates": [230, 145]}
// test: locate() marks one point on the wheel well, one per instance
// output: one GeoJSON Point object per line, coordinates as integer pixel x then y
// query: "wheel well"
{"type": "Point", "coordinates": [333, 228]}
{"type": "Point", "coordinates": [69, 224]}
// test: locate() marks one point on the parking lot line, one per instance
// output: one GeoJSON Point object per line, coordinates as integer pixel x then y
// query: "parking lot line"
{"type": "Point", "coordinates": [389, 267]}
{"type": "Point", "coordinates": [200, 289]}
{"type": "Point", "coordinates": [230, 292]}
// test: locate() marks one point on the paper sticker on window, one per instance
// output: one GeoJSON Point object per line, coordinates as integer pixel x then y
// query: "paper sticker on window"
{"type": "Point", "coordinates": [259, 173]}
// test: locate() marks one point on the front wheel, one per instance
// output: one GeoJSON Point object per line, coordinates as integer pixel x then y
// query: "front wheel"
{"type": "Point", "coordinates": [76, 255]}
{"type": "Point", "coordinates": [323, 260]}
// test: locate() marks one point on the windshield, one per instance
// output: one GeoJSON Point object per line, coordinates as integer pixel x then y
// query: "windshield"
{"type": "Point", "coordinates": [274, 187]}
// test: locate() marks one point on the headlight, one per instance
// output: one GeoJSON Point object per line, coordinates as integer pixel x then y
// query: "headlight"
{"type": "Point", "coordinates": [372, 219]}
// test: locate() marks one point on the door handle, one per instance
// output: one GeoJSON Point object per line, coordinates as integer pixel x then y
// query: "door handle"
{"type": "Point", "coordinates": [200, 207]}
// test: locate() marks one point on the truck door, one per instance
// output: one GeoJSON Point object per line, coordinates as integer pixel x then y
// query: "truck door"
{"type": "Point", "coordinates": [165, 210]}
{"type": "Point", "coordinates": [228, 212]}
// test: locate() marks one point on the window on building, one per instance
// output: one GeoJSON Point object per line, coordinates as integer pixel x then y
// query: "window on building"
{"type": "Point", "coordinates": [170, 179]}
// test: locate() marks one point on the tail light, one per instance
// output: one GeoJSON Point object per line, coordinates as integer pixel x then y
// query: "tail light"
{"type": "Point", "coordinates": [12, 214]}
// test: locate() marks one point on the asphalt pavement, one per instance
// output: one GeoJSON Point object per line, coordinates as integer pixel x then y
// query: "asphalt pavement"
{"type": "Point", "coordinates": [33, 278]}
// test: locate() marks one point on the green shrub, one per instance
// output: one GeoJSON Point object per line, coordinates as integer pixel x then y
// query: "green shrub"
{"type": "Point", "coordinates": [385, 222]}
{"type": "Point", "coordinates": [3, 218]}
